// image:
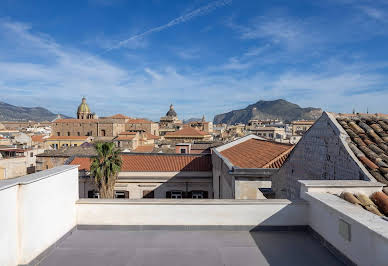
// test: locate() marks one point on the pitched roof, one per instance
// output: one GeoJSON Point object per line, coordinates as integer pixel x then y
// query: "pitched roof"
{"type": "Point", "coordinates": [68, 138]}
{"type": "Point", "coordinates": [257, 153]}
{"type": "Point", "coordinates": [150, 136]}
{"type": "Point", "coordinates": [81, 150]}
{"type": "Point", "coordinates": [139, 121]}
{"type": "Point", "coordinates": [369, 142]}
{"type": "Point", "coordinates": [119, 116]}
{"type": "Point", "coordinates": [144, 148]}
{"type": "Point", "coordinates": [37, 138]}
{"type": "Point", "coordinates": [72, 120]}
{"type": "Point", "coordinates": [187, 132]}
{"type": "Point", "coordinates": [2, 137]}
{"type": "Point", "coordinates": [155, 162]}
{"type": "Point", "coordinates": [128, 133]}
{"type": "Point", "coordinates": [124, 137]}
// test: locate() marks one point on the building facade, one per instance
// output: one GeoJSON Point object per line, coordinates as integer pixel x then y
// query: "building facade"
{"type": "Point", "coordinates": [243, 169]}
{"type": "Point", "coordinates": [155, 176]}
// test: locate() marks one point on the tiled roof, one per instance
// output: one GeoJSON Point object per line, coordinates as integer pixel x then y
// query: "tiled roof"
{"type": "Point", "coordinates": [303, 122]}
{"type": "Point", "coordinates": [68, 138]}
{"type": "Point", "coordinates": [255, 153]}
{"type": "Point", "coordinates": [72, 120]}
{"type": "Point", "coordinates": [70, 151]}
{"type": "Point", "coordinates": [2, 137]}
{"type": "Point", "coordinates": [187, 132]}
{"type": "Point", "coordinates": [155, 163]}
{"type": "Point", "coordinates": [144, 148]}
{"type": "Point", "coordinates": [119, 116]}
{"type": "Point", "coordinates": [369, 142]}
{"type": "Point", "coordinates": [139, 121]}
{"type": "Point", "coordinates": [125, 137]}
{"type": "Point", "coordinates": [128, 133]}
{"type": "Point", "coordinates": [150, 136]}
{"type": "Point", "coordinates": [37, 138]}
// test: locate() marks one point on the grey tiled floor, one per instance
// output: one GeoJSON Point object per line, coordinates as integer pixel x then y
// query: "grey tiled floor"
{"type": "Point", "coordinates": [181, 248]}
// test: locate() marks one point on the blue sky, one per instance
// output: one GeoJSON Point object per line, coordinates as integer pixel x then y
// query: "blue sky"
{"type": "Point", "coordinates": [205, 57]}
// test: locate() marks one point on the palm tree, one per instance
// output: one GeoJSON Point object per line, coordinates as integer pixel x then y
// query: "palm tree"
{"type": "Point", "coordinates": [105, 168]}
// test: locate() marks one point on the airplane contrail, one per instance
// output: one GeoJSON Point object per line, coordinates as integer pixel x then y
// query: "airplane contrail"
{"type": "Point", "coordinates": [181, 19]}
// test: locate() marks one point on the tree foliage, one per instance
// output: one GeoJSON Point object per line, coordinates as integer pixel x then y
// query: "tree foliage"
{"type": "Point", "coordinates": [105, 168]}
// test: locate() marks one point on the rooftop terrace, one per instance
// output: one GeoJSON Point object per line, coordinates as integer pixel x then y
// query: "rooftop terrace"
{"type": "Point", "coordinates": [43, 222]}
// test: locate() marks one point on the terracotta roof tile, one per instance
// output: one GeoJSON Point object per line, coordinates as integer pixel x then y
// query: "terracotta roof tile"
{"type": "Point", "coordinates": [369, 142]}
{"type": "Point", "coordinates": [139, 121]}
{"type": "Point", "coordinates": [155, 163]}
{"type": "Point", "coordinates": [36, 138]}
{"type": "Point", "coordinates": [187, 132]}
{"type": "Point", "coordinates": [254, 153]}
{"type": "Point", "coordinates": [72, 120]}
{"type": "Point", "coordinates": [144, 148]}
{"type": "Point", "coordinates": [151, 136]}
{"type": "Point", "coordinates": [68, 138]}
{"type": "Point", "coordinates": [119, 116]}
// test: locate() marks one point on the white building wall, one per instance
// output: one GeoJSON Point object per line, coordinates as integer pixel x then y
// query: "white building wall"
{"type": "Point", "coordinates": [368, 233]}
{"type": "Point", "coordinates": [9, 226]}
{"type": "Point", "coordinates": [42, 208]}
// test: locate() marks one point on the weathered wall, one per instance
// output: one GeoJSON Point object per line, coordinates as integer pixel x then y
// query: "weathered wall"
{"type": "Point", "coordinates": [14, 167]}
{"type": "Point", "coordinates": [248, 188]}
{"type": "Point", "coordinates": [223, 182]}
{"type": "Point", "coordinates": [43, 163]}
{"type": "Point", "coordinates": [322, 154]}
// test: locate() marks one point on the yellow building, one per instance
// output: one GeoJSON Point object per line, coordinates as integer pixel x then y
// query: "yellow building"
{"type": "Point", "coordinates": [57, 142]}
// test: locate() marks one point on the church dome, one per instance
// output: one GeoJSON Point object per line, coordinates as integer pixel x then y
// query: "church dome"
{"type": "Point", "coordinates": [171, 112]}
{"type": "Point", "coordinates": [83, 107]}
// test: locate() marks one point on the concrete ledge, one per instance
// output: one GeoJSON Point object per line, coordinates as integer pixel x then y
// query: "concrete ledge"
{"type": "Point", "coordinates": [251, 228]}
{"type": "Point", "coordinates": [190, 202]}
{"type": "Point", "coordinates": [27, 179]}
{"type": "Point", "coordinates": [339, 186]}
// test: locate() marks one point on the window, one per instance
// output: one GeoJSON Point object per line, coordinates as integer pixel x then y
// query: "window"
{"type": "Point", "coordinates": [183, 150]}
{"type": "Point", "coordinates": [103, 133]}
{"type": "Point", "coordinates": [78, 134]}
{"type": "Point", "coordinates": [75, 145]}
{"type": "Point", "coordinates": [148, 194]}
{"type": "Point", "coordinates": [68, 133]}
{"type": "Point", "coordinates": [198, 194]}
{"type": "Point", "coordinates": [93, 194]}
{"type": "Point", "coordinates": [46, 166]}
{"type": "Point", "coordinates": [122, 194]}
{"type": "Point", "coordinates": [31, 154]}
{"type": "Point", "coordinates": [174, 194]}
{"type": "Point", "coordinates": [58, 134]}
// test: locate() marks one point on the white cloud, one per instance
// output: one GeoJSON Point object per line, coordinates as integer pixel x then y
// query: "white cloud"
{"type": "Point", "coordinates": [153, 74]}
{"type": "Point", "coordinates": [51, 75]}
{"type": "Point", "coordinates": [176, 21]}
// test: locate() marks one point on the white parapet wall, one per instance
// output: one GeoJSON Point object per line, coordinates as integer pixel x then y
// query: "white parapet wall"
{"type": "Point", "coordinates": [38, 210]}
{"type": "Point", "coordinates": [192, 212]}
{"type": "Point", "coordinates": [356, 233]}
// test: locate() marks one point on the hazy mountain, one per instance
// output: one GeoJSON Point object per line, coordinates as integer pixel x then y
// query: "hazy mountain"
{"type": "Point", "coordinates": [10, 112]}
{"type": "Point", "coordinates": [186, 121]}
{"type": "Point", "coordinates": [277, 109]}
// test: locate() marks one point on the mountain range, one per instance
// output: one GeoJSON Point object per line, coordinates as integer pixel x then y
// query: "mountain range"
{"type": "Point", "coordinates": [10, 112]}
{"type": "Point", "coordinates": [277, 109]}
